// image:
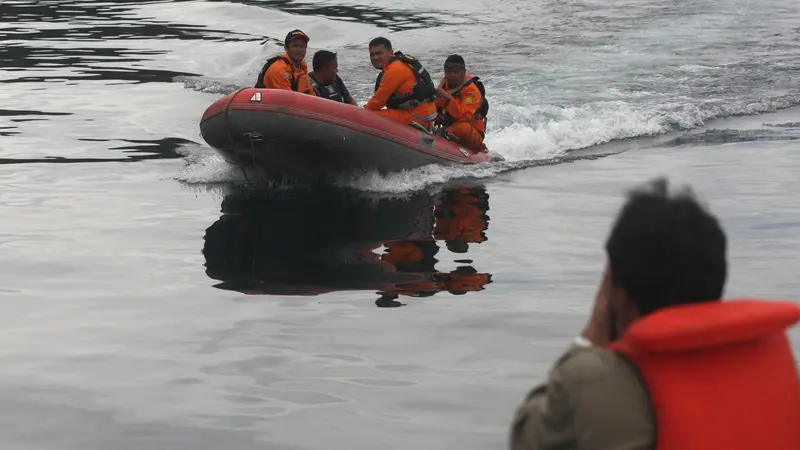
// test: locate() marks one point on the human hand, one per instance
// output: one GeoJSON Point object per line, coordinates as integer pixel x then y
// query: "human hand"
{"type": "Point", "coordinates": [598, 328]}
{"type": "Point", "coordinates": [444, 94]}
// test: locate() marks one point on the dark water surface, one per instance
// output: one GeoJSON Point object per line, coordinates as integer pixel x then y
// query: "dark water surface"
{"type": "Point", "coordinates": [149, 301]}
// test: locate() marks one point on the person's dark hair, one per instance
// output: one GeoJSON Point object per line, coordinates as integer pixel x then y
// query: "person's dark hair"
{"type": "Point", "coordinates": [666, 251]}
{"type": "Point", "coordinates": [381, 41]}
{"type": "Point", "coordinates": [321, 59]}
{"type": "Point", "coordinates": [455, 61]}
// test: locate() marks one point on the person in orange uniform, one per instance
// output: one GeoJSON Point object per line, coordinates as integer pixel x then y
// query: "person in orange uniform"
{"type": "Point", "coordinates": [462, 105]}
{"type": "Point", "coordinates": [288, 71]}
{"type": "Point", "coordinates": [464, 279]}
{"type": "Point", "coordinates": [663, 362]}
{"type": "Point", "coordinates": [404, 87]}
{"type": "Point", "coordinates": [461, 218]}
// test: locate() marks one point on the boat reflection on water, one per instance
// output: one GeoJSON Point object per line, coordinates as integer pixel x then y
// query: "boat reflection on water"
{"type": "Point", "coordinates": [309, 242]}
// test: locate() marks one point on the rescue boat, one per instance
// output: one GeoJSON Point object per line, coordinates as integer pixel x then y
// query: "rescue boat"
{"type": "Point", "coordinates": [299, 135]}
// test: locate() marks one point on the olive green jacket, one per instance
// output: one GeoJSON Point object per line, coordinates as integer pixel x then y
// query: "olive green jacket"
{"type": "Point", "coordinates": [593, 399]}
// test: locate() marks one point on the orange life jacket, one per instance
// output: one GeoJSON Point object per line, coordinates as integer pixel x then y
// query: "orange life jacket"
{"type": "Point", "coordinates": [416, 288]}
{"type": "Point", "coordinates": [461, 214]}
{"type": "Point", "coordinates": [478, 121]}
{"type": "Point", "coordinates": [402, 252]}
{"type": "Point", "coordinates": [457, 282]}
{"type": "Point", "coordinates": [299, 82]}
{"type": "Point", "coordinates": [721, 375]}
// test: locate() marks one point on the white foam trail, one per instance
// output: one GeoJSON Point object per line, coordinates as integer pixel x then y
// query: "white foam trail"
{"type": "Point", "coordinates": [206, 167]}
{"type": "Point", "coordinates": [209, 168]}
{"type": "Point", "coordinates": [207, 86]}
{"type": "Point", "coordinates": [550, 131]}
{"type": "Point", "coordinates": [417, 179]}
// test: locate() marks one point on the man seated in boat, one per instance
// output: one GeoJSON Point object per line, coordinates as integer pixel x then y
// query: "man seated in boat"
{"type": "Point", "coordinates": [325, 78]}
{"type": "Point", "coordinates": [288, 71]}
{"type": "Point", "coordinates": [462, 105]}
{"type": "Point", "coordinates": [404, 87]}
{"type": "Point", "coordinates": [663, 362]}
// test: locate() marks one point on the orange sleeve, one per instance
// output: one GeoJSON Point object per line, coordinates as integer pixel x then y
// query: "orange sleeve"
{"type": "Point", "coordinates": [393, 77]}
{"type": "Point", "coordinates": [304, 84]}
{"type": "Point", "coordinates": [278, 76]}
{"type": "Point", "coordinates": [467, 106]}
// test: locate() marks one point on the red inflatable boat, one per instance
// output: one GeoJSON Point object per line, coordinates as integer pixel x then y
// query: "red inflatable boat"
{"type": "Point", "coordinates": [299, 135]}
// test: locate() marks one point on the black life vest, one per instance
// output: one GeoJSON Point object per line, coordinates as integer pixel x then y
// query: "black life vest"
{"type": "Point", "coordinates": [260, 80]}
{"type": "Point", "coordinates": [482, 111]}
{"type": "Point", "coordinates": [335, 91]}
{"type": "Point", "coordinates": [424, 90]}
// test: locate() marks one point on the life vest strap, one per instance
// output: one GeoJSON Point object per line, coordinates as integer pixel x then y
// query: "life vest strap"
{"type": "Point", "coordinates": [418, 94]}
{"type": "Point", "coordinates": [480, 115]}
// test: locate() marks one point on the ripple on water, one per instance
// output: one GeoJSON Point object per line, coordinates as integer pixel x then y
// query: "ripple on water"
{"type": "Point", "coordinates": [381, 382]}
{"type": "Point", "coordinates": [306, 398]}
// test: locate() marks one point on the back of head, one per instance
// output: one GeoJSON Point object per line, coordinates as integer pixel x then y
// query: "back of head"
{"type": "Point", "coordinates": [321, 59]}
{"type": "Point", "coordinates": [381, 41]}
{"type": "Point", "coordinates": [666, 251]}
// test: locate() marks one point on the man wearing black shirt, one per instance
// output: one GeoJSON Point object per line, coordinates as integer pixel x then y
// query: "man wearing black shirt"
{"type": "Point", "coordinates": [325, 78]}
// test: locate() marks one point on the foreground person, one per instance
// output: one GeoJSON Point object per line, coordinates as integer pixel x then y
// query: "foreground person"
{"type": "Point", "coordinates": [288, 71]}
{"type": "Point", "coordinates": [663, 363]}
{"type": "Point", "coordinates": [404, 87]}
{"type": "Point", "coordinates": [462, 105]}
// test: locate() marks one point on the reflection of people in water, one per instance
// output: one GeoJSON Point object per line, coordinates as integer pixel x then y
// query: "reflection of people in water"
{"type": "Point", "coordinates": [300, 242]}
{"type": "Point", "coordinates": [461, 219]}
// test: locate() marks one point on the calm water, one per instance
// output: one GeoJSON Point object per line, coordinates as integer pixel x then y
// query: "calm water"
{"type": "Point", "coordinates": [148, 301]}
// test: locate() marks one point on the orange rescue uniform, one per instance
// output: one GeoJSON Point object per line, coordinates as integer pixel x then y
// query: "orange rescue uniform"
{"type": "Point", "coordinates": [399, 79]}
{"type": "Point", "coordinates": [462, 214]}
{"type": "Point", "coordinates": [282, 75]}
{"type": "Point", "coordinates": [461, 111]}
{"type": "Point", "coordinates": [720, 375]}
{"type": "Point", "coordinates": [465, 279]}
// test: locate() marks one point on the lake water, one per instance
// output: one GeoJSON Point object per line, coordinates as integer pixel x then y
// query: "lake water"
{"type": "Point", "coordinates": [148, 301]}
